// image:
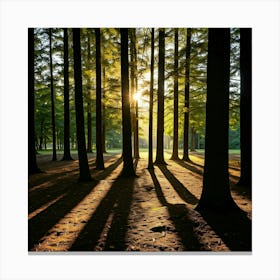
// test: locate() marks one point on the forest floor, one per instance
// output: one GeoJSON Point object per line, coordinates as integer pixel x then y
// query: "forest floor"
{"type": "Point", "coordinates": [153, 212]}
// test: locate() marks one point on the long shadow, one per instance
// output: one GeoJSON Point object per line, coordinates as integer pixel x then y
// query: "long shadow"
{"type": "Point", "coordinates": [189, 166]}
{"type": "Point", "coordinates": [42, 222]}
{"type": "Point", "coordinates": [192, 168]}
{"type": "Point", "coordinates": [234, 228]}
{"type": "Point", "coordinates": [40, 197]}
{"type": "Point", "coordinates": [115, 204]}
{"type": "Point", "coordinates": [179, 216]}
{"type": "Point", "coordinates": [182, 191]}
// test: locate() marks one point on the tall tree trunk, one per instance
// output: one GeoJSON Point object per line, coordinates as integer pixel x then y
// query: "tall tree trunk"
{"type": "Point", "coordinates": [82, 153]}
{"type": "Point", "coordinates": [52, 98]}
{"type": "Point", "coordinates": [187, 98]}
{"type": "Point", "coordinates": [89, 129]}
{"type": "Point", "coordinates": [246, 107]}
{"type": "Point", "coordinates": [160, 115]}
{"type": "Point", "coordinates": [134, 65]}
{"type": "Point", "coordinates": [175, 120]}
{"type": "Point", "coordinates": [104, 112]}
{"type": "Point", "coordinates": [216, 193]}
{"type": "Point", "coordinates": [32, 163]}
{"type": "Point", "coordinates": [67, 155]}
{"type": "Point", "coordinates": [150, 160]}
{"type": "Point", "coordinates": [99, 150]}
{"type": "Point", "coordinates": [128, 169]}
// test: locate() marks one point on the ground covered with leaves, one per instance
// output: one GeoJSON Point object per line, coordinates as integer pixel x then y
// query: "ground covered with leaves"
{"type": "Point", "coordinates": [153, 212]}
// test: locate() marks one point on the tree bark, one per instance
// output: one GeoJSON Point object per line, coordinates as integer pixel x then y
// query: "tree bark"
{"type": "Point", "coordinates": [187, 98]}
{"type": "Point", "coordinates": [160, 115]}
{"type": "Point", "coordinates": [32, 162]}
{"type": "Point", "coordinates": [216, 194]}
{"type": "Point", "coordinates": [150, 160]}
{"type": "Point", "coordinates": [67, 155]}
{"type": "Point", "coordinates": [82, 153]}
{"type": "Point", "coordinates": [104, 112]}
{"type": "Point", "coordinates": [99, 150]}
{"type": "Point", "coordinates": [246, 107]}
{"type": "Point", "coordinates": [128, 169]}
{"type": "Point", "coordinates": [52, 98]}
{"type": "Point", "coordinates": [89, 129]}
{"type": "Point", "coordinates": [175, 120]}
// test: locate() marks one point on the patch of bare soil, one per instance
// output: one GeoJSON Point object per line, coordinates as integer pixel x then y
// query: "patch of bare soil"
{"type": "Point", "coordinates": [153, 212]}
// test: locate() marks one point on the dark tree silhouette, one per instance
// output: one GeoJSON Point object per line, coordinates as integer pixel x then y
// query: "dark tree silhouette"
{"type": "Point", "coordinates": [160, 114]}
{"type": "Point", "coordinates": [52, 98]}
{"type": "Point", "coordinates": [187, 98]}
{"type": "Point", "coordinates": [89, 129]}
{"type": "Point", "coordinates": [128, 169]}
{"type": "Point", "coordinates": [82, 153]}
{"type": "Point", "coordinates": [151, 104]}
{"type": "Point", "coordinates": [134, 83]}
{"type": "Point", "coordinates": [32, 163]}
{"type": "Point", "coordinates": [216, 193]}
{"type": "Point", "coordinates": [99, 150]}
{"type": "Point", "coordinates": [103, 111]}
{"type": "Point", "coordinates": [66, 155]}
{"type": "Point", "coordinates": [175, 120]}
{"type": "Point", "coordinates": [246, 107]}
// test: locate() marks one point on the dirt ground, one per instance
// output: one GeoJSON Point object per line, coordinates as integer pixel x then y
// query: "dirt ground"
{"type": "Point", "coordinates": [153, 212]}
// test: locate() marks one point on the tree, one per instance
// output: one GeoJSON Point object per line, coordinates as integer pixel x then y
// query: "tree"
{"type": "Point", "coordinates": [89, 116]}
{"type": "Point", "coordinates": [160, 115]}
{"type": "Point", "coordinates": [246, 107]}
{"type": "Point", "coordinates": [187, 98]}
{"type": "Point", "coordinates": [82, 154]}
{"type": "Point", "coordinates": [216, 193]}
{"type": "Point", "coordinates": [32, 163]}
{"type": "Point", "coordinates": [52, 98]}
{"type": "Point", "coordinates": [99, 150]}
{"type": "Point", "coordinates": [128, 170]}
{"type": "Point", "coordinates": [67, 155]}
{"type": "Point", "coordinates": [175, 119]}
{"type": "Point", "coordinates": [150, 160]}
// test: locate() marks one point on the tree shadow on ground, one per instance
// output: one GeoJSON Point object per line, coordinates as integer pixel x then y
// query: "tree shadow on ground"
{"type": "Point", "coordinates": [73, 195]}
{"type": "Point", "coordinates": [111, 215]}
{"type": "Point", "coordinates": [182, 191]}
{"type": "Point", "coordinates": [190, 166]}
{"type": "Point", "coordinates": [179, 216]}
{"type": "Point", "coordinates": [234, 228]}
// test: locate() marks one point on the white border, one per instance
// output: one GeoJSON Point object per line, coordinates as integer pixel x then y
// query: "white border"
{"type": "Point", "coordinates": [17, 16]}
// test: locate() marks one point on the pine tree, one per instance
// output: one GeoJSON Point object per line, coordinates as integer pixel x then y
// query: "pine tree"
{"type": "Point", "coordinates": [99, 150]}
{"type": "Point", "coordinates": [160, 114]}
{"type": "Point", "coordinates": [67, 155]}
{"type": "Point", "coordinates": [82, 153]}
{"type": "Point", "coordinates": [216, 193]}
{"type": "Point", "coordinates": [128, 169]}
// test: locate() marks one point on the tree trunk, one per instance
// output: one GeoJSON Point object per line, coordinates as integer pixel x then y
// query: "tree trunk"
{"type": "Point", "coordinates": [134, 78]}
{"type": "Point", "coordinates": [216, 193]}
{"type": "Point", "coordinates": [104, 113]}
{"type": "Point", "coordinates": [32, 163]}
{"type": "Point", "coordinates": [128, 169]}
{"type": "Point", "coordinates": [89, 129]}
{"type": "Point", "coordinates": [67, 155]}
{"type": "Point", "coordinates": [52, 99]}
{"type": "Point", "coordinates": [150, 160]}
{"type": "Point", "coordinates": [99, 150]}
{"type": "Point", "coordinates": [160, 115]}
{"type": "Point", "coordinates": [175, 120]}
{"type": "Point", "coordinates": [246, 107]}
{"type": "Point", "coordinates": [187, 98]}
{"type": "Point", "coordinates": [82, 153]}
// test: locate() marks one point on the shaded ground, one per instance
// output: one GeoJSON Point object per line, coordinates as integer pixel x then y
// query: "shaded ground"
{"type": "Point", "coordinates": [150, 213]}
